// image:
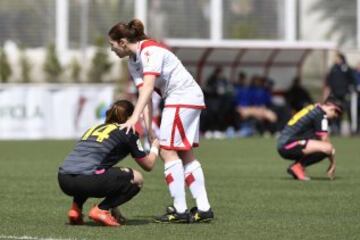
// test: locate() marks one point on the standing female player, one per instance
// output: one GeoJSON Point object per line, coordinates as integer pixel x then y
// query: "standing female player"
{"type": "Point", "coordinates": [153, 67]}
{"type": "Point", "coordinates": [88, 170]}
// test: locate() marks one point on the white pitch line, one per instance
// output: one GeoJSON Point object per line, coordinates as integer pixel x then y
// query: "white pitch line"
{"type": "Point", "coordinates": [32, 238]}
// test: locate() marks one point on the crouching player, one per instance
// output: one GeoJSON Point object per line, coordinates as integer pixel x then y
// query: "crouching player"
{"type": "Point", "coordinates": [88, 170]}
{"type": "Point", "coordinates": [305, 138]}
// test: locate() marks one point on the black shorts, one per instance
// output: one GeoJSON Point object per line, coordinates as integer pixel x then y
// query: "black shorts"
{"type": "Point", "coordinates": [293, 149]}
{"type": "Point", "coordinates": [111, 181]}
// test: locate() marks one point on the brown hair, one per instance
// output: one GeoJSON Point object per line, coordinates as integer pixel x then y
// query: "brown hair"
{"type": "Point", "coordinates": [337, 103]}
{"type": "Point", "coordinates": [119, 112]}
{"type": "Point", "coordinates": [133, 31]}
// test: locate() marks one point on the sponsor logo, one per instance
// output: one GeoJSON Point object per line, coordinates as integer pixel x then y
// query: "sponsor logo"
{"type": "Point", "coordinates": [21, 112]}
{"type": "Point", "coordinates": [101, 111]}
{"type": "Point", "coordinates": [80, 107]}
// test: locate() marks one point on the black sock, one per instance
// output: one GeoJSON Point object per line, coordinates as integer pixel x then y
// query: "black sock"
{"type": "Point", "coordinates": [79, 201]}
{"type": "Point", "coordinates": [312, 159]}
{"type": "Point", "coordinates": [119, 198]}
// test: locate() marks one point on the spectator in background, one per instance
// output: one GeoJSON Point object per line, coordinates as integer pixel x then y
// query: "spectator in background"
{"type": "Point", "coordinates": [253, 102]}
{"type": "Point", "coordinates": [357, 88]}
{"type": "Point", "coordinates": [297, 96]}
{"type": "Point", "coordinates": [338, 83]}
{"type": "Point", "coordinates": [219, 101]}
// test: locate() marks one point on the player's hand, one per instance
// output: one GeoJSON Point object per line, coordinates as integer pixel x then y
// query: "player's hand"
{"type": "Point", "coordinates": [155, 148]}
{"type": "Point", "coordinates": [151, 136]}
{"type": "Point", "coordinates": [331, 171]}
{"type": "Point", "coordinates": [129, 125]}
{"type": "Point", "coordinates": [155, 143]}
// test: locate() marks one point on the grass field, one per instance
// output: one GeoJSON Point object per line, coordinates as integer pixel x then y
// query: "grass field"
{"type": "Point", "coordinates": [252, 196]}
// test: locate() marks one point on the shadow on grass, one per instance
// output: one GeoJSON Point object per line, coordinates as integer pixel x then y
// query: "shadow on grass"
{"type": "Point", "coordinates": [129, 222]}
{"type": "Point", "coordinates": [325, 179]}
{"type": "Point", "coordinates": [313, 179]}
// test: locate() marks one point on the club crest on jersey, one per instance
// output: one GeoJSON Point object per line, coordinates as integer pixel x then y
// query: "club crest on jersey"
{"type": "Point", "coordinates": [147, 58]}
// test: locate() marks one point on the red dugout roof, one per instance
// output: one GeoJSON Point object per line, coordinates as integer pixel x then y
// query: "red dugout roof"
{"type": "Point", "coordinates": [279, 60]}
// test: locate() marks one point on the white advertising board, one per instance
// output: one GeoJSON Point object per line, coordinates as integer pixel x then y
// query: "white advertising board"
{"type": "Point", "coordinates": [51, 111]}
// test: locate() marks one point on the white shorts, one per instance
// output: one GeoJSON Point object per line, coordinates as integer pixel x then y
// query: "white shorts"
{"type": "Point", "coordinates": [179, 129]}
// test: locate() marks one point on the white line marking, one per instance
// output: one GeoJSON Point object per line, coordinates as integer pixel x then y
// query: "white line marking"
{"type": "Point", "coordinates": [32, 238]}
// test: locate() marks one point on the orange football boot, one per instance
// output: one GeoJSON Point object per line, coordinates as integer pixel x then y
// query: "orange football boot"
{"type": "Point", "coordinates": [75, 215]}
{"type": "Point", "coordinates": [298, 172]}
{"type": "Point", "coordinates": [103, 216]}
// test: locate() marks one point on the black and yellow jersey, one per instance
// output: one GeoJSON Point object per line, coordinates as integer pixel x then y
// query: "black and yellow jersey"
{"type": "Point", "coordinates": [101, 147]}
{"type": "Point", "coordinates": [308, 123]}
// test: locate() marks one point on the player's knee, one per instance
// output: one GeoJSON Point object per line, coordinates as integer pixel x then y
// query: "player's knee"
{"type": "Point", "coordinates": [328, 149]}
{"type": "Point", "coordinates": [168, 154]}
{"type": "Point", "coordinates": [138, 178]}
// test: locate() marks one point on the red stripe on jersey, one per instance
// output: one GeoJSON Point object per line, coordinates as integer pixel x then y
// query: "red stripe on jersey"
{"type": "Point", "coordinates": [185, 106]}
{"type": "Point", "coordinates": [189, 179]}
{"type": "Point", "coordinates": [150, 43]}
{"type": "Point", "coordinates": [151, 73]}
{"type": "Point", "coordinates": [169, 179]}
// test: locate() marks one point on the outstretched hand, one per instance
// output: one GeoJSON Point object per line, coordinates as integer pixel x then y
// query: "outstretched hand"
{"type": "Point", "coordinates": [129, 125]}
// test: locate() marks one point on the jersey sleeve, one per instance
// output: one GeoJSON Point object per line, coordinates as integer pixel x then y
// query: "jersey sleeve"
{"type": "Point", "coordinates": [321, 125]}
{"type": "Point", "coordinates": [136, 149]}
{"type": "Point", "coordinates": [135, 75]}
{"type": "Point", "coordinates": [152, 61]}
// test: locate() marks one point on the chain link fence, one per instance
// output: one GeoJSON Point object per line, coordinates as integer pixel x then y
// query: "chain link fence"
{"type": "Point", "coordinates": [253, 19]}
{"type": "Point", "coordinates": [30, 23]}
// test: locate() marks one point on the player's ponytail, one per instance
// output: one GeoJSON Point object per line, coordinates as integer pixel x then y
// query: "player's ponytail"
{"type": "Point", "coordinates": [136, 30]}
{"type": "Point", "coordinates": [133, 31]}
{"type": "Point", "coordinates": [119, 112]}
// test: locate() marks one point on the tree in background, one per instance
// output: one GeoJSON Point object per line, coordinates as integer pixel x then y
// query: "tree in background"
{"type": "Point", "coordinates": [75, 70]}
{"type": "Point", "coordinates": [52, 66]}
{"type": "Point", "coordinates": [100, 64]}
{"type": "Point", "coordinates": [25, 66]}
{"type": "Point", "coordinates": [342, 17]}
{"type": "Point", "coordinates": [5, 68]}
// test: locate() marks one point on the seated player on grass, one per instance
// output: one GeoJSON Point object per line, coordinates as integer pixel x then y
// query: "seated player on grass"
{"type": "Point", "coordinates": [305, 138]}
{"type": "Point", "coordinates": [88, 170]}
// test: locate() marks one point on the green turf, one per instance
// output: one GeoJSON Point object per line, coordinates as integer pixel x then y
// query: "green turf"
{"type": "Point", "coordinates": [252, 196]}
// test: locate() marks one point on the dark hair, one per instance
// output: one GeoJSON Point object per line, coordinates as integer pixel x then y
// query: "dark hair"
{"type": "Point", "coordinates": [335, 102]}
{"type": "Point", "coordinates": [342, 57]}
{"type": "Point", "coordinates": [119, 112]}
{"type": "Point", "coordinates": [133, 31]}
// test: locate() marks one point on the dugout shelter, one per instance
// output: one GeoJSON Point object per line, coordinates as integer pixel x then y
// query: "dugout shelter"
{"type": "Point", "coordinates": [279, 60]}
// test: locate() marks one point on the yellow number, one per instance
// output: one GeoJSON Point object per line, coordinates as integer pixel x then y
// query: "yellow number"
{"type": "Point", "coordinates": [101, 132]}
{"type": "Point", "coordinates": [300, 114]}
{"type": "Point", "coordinates": [88, 133]}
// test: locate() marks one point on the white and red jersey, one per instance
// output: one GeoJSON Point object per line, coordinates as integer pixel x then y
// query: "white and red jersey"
{"type": "Point", "coordinates": [174, 83]}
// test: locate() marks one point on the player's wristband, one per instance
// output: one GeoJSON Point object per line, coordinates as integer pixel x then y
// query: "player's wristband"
{"type": "Point", "coordinates": [154, 150]}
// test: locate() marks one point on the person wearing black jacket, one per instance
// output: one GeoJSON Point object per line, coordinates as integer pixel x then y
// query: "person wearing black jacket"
{"type": "Point", "coordinates": [339, 81]}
